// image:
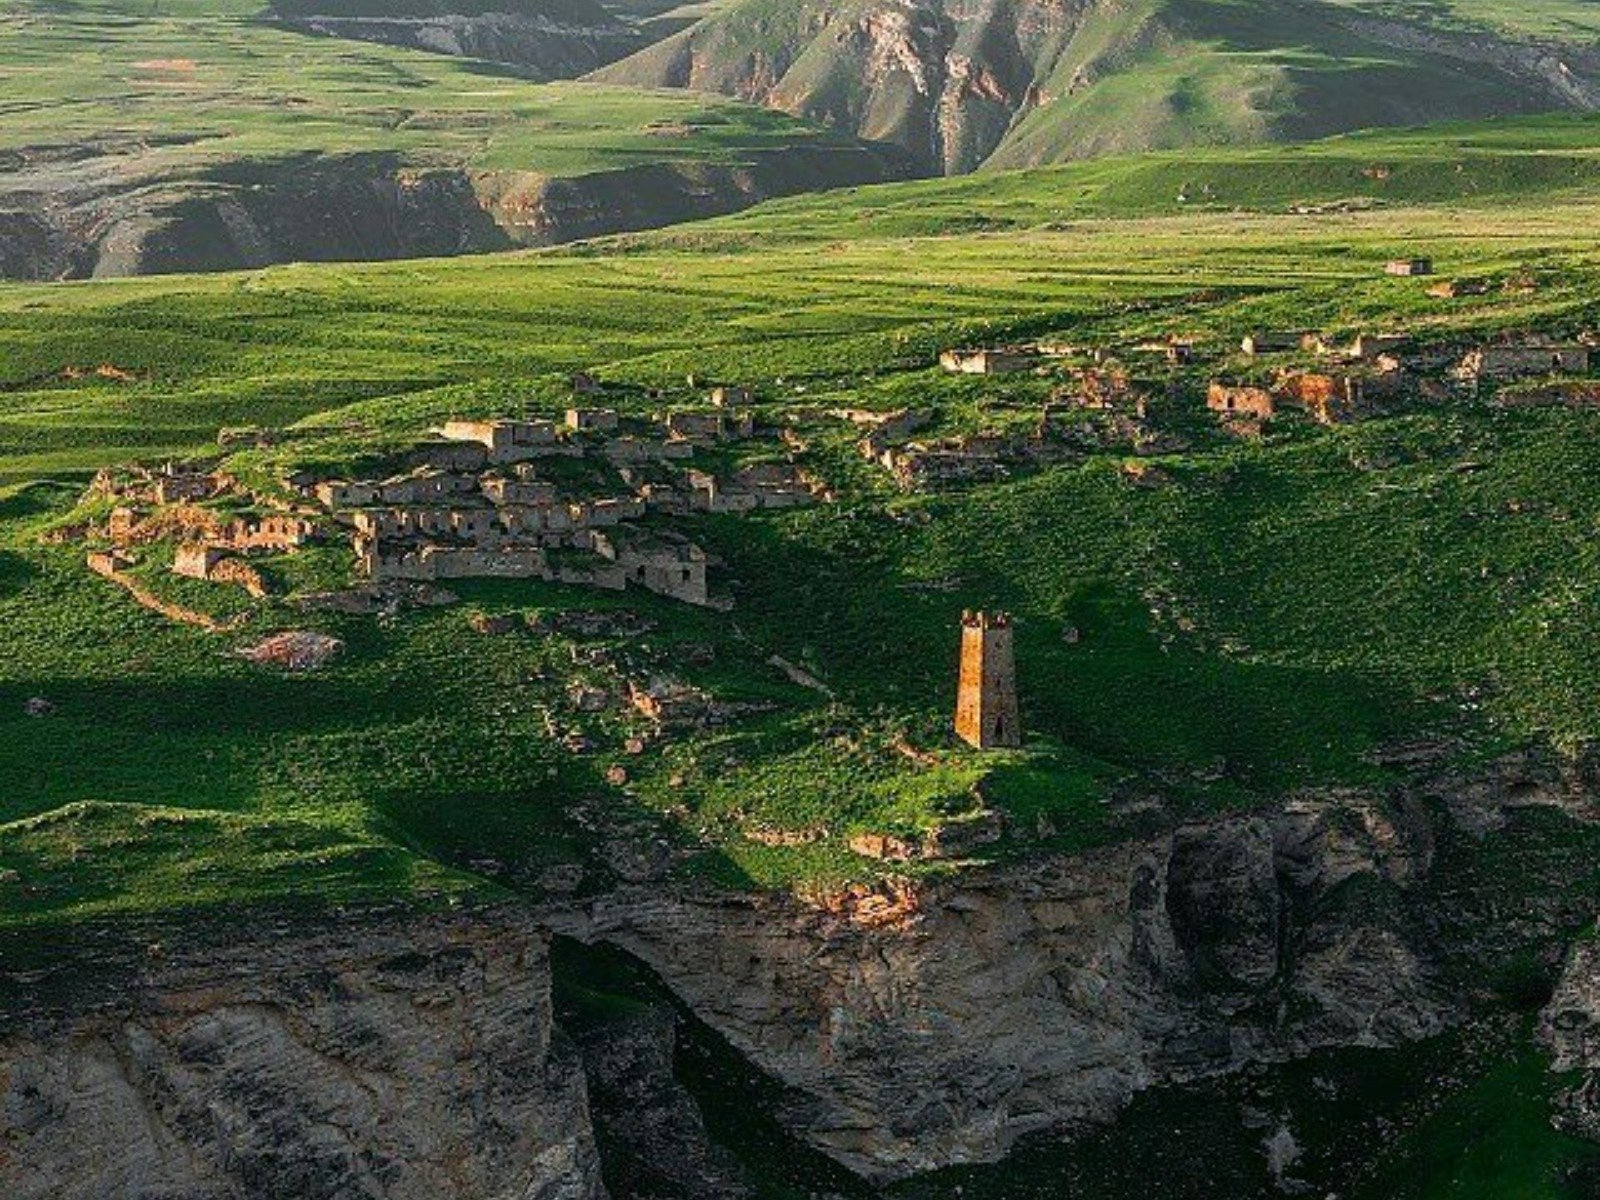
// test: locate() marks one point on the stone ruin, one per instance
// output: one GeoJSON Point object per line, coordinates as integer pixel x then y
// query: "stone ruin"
{"type": "Point", "coordinates": [505, 517]}
{"type": "Point", "coordinates": [997, 360]}
{"type": "Point", "coordinates": [480, 498]}
{"type": "Point", "coordinates": [1407, 267]}
{"type": "Point", "coordinates": [169, 504]}
{"type": "Point", "coordinates": [1377, 369]}
{"type": "Point", "coordinates": [1522, 358]}
{"type": "Point", "coordinates": [294, 650]}
{"type": "Point", "coordinates": [987, 714]}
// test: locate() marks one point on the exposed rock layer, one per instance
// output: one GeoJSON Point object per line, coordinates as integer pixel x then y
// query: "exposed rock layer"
{"type": "Point", "coordinates": [912, 1026]}
{"type": "Point", "coordinates": [95, 215]}
{"type": "Point", "coordinates": [1043, 996]}
{"type": "Point", "coordinates": [387, 1057]}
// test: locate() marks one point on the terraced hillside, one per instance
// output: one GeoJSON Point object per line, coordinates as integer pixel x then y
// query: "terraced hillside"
{"type": "Point", "coordinates": [203, 139]}
{"type": "Point", "coordinates": [1009, 83]}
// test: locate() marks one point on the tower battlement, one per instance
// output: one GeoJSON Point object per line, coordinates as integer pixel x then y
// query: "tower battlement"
{"type": "Point", "coordinates": [986, 699]}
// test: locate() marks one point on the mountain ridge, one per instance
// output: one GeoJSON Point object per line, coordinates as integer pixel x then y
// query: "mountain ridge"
{"type": "Point", "coordinates": [1011, 83]}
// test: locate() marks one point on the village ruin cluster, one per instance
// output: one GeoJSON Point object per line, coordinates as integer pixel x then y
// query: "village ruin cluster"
{"type": "Point", "coordinates": [1273, 372]}
{"type": "Point", "coordinates": [587, 501]}
{"type": "Point", "coordinates": [598, 498]}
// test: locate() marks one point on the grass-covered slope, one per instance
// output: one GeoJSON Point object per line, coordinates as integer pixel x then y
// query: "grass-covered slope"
{"type": "Point", "coordinates": [1484, 165]}
{"type": "Point", "coordinates": [1016, 83]}
{"type": "Point", "coordinates": [1267, 617]}
{"type": "Point", "coordinates": [200, 137]}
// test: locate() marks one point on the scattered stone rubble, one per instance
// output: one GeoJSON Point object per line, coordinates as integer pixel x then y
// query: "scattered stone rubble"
{"type": "Point", "coordinates": [956, 838]}
{"type": "Point", "coordinates": [294, 650]}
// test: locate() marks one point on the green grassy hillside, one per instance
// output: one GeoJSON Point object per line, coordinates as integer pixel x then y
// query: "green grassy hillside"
{"type": "Point", "coordinates": [1023, 84]}
{"type": "Point", "coordinates": [1240, 619]}
{"type": "Point", "coordinates": [1308, 598]}
{"type": "Point", "coordinates": [206, 85]}
{"type": "Point", "coordinates": [1484, 164]}
{"type": "Point", "coordinates": [120, 121]}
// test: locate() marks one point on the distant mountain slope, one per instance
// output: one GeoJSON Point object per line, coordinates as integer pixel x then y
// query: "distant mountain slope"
{"type": "Point", "coordinates": [549, 39]}
{"type": "Point", "coordinates": [1005, 83]}
{"type": "Point", "coordinates": [208, 141]}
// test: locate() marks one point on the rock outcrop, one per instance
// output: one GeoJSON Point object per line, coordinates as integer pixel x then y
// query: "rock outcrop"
{"type": "Point", "coordinates": [911, 1025]}
{"type": "Point", "coordinates": [94, 215]}
{"type": "Point", "coordinates": [937, 1031]}
{"type": "Point", "coordinates": [1570, 1028]}
{"type": "Point", "coordinates": [383, 1056]}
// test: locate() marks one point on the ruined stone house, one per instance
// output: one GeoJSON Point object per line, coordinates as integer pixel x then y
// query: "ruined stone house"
{"type": "Point", "coordinates": [1406, 267]}
{"type": "Point", "coordinates": [174, 485]}
{"type": "Point", "coordinates": [108, 562]}
{"type": "Point", "coordinates": [214, 564]}
{"type": "Point", "coordinates": [1327, 399]}
{"type": "Point", "coordinates": [501, 491]}
{"type": "Point", "coordinates": [988, 361]}
{"type": "Point", "coordinates": [720, 426]}
{"type": "Point", "coordinates": [1449, 289]}
{"type": "Point", "coordinates": [123, 524]}
{"type": "Point", "coordinates": [1232, 401]}
{"type": "Point", "coordinates": [605, 512]}
{"type": "Point", "coordinates": [592, 420]}
{"type": "Point", "coordinates": [385, 561]}
{"type": "Point", "coordinates": [535, 520]}
{"type": "Point", "coordinates": [196, 560]}
{"type": "Point", "coordinates": [730, 397]}
{"type": "Point", "coordinates": [639, 450]}
{"type": "Point", "coordinates": [889, 428]}
{"type": "Point", "coordinates": [506, 441]}
{"type": "Point", "coordinates": [443, 455]}
{"type": "Point", "coordinates": [337, 495]}
{"type": "Point", "coordinates": [1272, 343]}
{"type": "Point", "coordinates": [677, 568]}
{"type": "Point", "coordinates": [425, 486]}
{"type": "Point", "coordinates": [707, 493]}
{"type": "Point", "coordinates": [1369, 347]}
{"type": "Point", "coordinates": [1513, 360]}
{"type": "Point", "coordinates": [279, 533]}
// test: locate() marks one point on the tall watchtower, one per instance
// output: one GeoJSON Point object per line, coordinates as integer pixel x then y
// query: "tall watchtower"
{"type": "Point", "coordinates": [986, 701]}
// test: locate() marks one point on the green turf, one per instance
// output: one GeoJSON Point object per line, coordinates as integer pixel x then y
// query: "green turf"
{"type": "Point", "coordinates": [192, 88]}
{"type": "Point", "coordinates": [1266, 620]}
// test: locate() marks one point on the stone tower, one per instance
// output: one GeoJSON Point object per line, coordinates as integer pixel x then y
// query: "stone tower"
{"type": "Point", "coordinates": [986, 702]}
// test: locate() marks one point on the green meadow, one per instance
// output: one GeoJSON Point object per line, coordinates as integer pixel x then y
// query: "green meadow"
{"type": "Point", "coordinates": [198, 86]}
{"type": "Point", "coordinates": [1269, 617]}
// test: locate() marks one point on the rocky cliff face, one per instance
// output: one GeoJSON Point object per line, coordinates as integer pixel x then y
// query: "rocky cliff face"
{"type": "Point", "coordinates": [560, 46]}
{"type": "Point", "coordinates": [1570, 1029]}
{"type": "Point", "coordinates": [386, 1057]}
{"type": "Point", "coordinates": [911, 1026]}
{"type": "Point", "coordinates": [90, 213]}
{"type": "Point", "coordinates": [935, 1027]}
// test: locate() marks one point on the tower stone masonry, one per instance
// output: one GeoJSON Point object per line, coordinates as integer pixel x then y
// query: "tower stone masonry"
{"type": "Point", "coordinates": [986, 701]}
